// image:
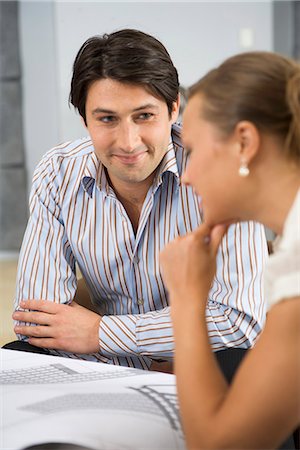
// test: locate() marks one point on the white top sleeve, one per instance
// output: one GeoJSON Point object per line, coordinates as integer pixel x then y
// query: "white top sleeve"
{"type": "Point", "coordinates": [282, 275]}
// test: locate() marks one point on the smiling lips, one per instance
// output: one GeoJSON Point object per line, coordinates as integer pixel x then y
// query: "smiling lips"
{"type": "Point", "coordinates": [130, 159]}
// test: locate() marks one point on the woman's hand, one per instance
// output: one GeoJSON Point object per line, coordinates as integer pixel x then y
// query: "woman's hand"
{"type": "Point", "coordinates": [189, 264]}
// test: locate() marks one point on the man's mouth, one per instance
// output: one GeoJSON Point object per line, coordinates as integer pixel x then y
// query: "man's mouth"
{"type": "Point", "coordinates": [130, 159]}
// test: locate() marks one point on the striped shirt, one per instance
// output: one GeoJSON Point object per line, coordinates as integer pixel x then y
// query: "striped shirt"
{"type": "Point", "coordinates": [76, 219]}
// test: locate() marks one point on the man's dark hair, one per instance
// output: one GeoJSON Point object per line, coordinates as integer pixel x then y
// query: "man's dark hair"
{"type": "Point", "coordinates": [128, 56]}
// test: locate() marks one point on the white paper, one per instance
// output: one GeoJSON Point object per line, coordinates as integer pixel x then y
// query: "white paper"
{"type": "Point", "coordinates": [104, 407]}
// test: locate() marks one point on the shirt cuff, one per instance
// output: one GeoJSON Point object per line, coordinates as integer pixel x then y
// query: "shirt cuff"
{"type": "Point", "coordinates": [143, 335]}
{"type": "Point", "coordinates": [117, 336]}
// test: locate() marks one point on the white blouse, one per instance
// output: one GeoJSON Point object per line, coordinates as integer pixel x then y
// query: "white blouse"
{"type": "Point", "coordinates": [282, 273]}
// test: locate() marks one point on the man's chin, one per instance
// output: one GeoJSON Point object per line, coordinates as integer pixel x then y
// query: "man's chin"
{"type": "Point", "coordinates": [134, 178]}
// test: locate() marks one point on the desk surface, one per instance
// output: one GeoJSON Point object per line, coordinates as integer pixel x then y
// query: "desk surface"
{"type": "Point", "coordinates": [49, 399]}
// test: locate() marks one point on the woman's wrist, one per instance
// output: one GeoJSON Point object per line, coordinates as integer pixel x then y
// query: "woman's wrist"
{"type": "Point", "coordinates": [188, 304]}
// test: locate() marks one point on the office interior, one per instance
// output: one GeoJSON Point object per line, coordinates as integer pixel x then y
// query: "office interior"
{"type": "Point", "coordinates": [39, 40]}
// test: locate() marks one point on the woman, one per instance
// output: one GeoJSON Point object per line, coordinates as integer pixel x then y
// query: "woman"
{"type": "Point", "coordinates": [242, 128]}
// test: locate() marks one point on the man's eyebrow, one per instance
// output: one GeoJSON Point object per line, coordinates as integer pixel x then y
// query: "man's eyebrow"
{"type": "Point", "coordinates": [146, 106]}
{"type": "Point", "coordinates": [110, 111]}
{"type": "Point", "coordinates": [102, 110]}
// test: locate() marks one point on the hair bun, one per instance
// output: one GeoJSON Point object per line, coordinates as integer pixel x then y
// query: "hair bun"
{"type": "Point", "coordinates": [293, 101]}
{"type": "Point", "coordinates": [293, 91]}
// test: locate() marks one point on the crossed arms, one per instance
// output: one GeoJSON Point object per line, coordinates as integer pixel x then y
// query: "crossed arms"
{"type": "Point", "coordinates": [75, 328]}
{"type": "Point", "coordinates": [133, 318]}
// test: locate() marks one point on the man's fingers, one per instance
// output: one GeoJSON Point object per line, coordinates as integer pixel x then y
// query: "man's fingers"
{"type": "Point", "coordinates": [34, 331]}
{"type": "Point", "coordinates": [44, 343]}
{"type": "Point", "coordinates": [41, 305]}
{"type": "Point", "coordinates": [33, 317]}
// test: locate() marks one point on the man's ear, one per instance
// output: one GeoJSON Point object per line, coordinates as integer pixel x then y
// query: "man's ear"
{"type": "Point", "coordinates": [83, 122]}
{"type": "Point", "coordinates": [248, 138]}
{"type": "Point", "coordinates": [175, 109]}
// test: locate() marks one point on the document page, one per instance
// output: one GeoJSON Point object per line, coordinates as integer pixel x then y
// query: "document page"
{"type": "Point", "coordinates": [103, 407]}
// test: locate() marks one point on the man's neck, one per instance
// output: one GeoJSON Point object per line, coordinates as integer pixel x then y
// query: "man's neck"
{"type": "Point", "coordinates": [132, 196]}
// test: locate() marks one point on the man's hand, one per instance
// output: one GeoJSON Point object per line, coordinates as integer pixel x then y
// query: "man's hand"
{"type": "Point", "coordinates": [70, 328]}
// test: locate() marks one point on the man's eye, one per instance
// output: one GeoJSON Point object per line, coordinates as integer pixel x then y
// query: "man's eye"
{"type": "Point", "coordinates": [145, 116]}
{"type": "Point", "coordinates": [107, 119]}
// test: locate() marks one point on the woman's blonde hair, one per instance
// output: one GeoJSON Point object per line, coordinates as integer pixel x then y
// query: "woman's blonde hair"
{"type": "Point", "coordinates": [261, 87]}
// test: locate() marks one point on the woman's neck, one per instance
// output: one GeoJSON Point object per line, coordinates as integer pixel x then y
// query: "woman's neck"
{"type": "Point", "coordinates": [275, 194]}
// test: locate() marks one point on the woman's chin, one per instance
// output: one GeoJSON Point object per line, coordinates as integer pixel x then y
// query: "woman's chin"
{"type": "Point", "coordinates": [213, 217]}
{"type": "Point", "coordinates": [213, 221]}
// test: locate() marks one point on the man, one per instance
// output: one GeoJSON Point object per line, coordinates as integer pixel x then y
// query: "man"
{"type": "Point", "coordinates": [109, 203]}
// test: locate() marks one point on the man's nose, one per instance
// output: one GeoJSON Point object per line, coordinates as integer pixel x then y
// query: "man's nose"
{"type": "Point", "coordinates": [128, 137]}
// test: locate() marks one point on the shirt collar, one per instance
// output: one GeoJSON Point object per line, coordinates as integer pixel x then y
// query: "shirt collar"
{"type": "Point", "coordinates": [94, 171]}
{"type": "Point", "coordinates": [94, 174]}
{"type": "Point", "coordinates": [169, 162]}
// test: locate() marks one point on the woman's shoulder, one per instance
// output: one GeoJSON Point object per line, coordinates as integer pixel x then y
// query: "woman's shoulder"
{"type": "Point", "coordinates": [291, 229]}
{"type": "Point", "coordinates": [282, 273]}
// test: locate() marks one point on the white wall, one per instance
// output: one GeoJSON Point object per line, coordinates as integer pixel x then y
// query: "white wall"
{"type": "Point", "coordinates": [39, 67]}
{"type": "Point", "coordinates": [198, 36]}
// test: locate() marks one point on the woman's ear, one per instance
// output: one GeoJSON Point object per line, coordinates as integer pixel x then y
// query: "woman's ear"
{"type": "Point", "coordinates": [248, 138]}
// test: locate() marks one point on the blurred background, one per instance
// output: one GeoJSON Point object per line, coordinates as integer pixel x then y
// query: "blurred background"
{"type": "Point", "coordinates": [38, 44]}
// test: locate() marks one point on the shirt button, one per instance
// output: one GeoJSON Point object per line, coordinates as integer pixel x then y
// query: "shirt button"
{"type": "Point", "coordinates": [140, 301]}
{"type": "Point", "coordinates": [136, 259]}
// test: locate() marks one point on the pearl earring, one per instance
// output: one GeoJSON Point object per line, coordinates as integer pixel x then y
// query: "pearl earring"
{"type": "Point", "coordinates": [244, 170]}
